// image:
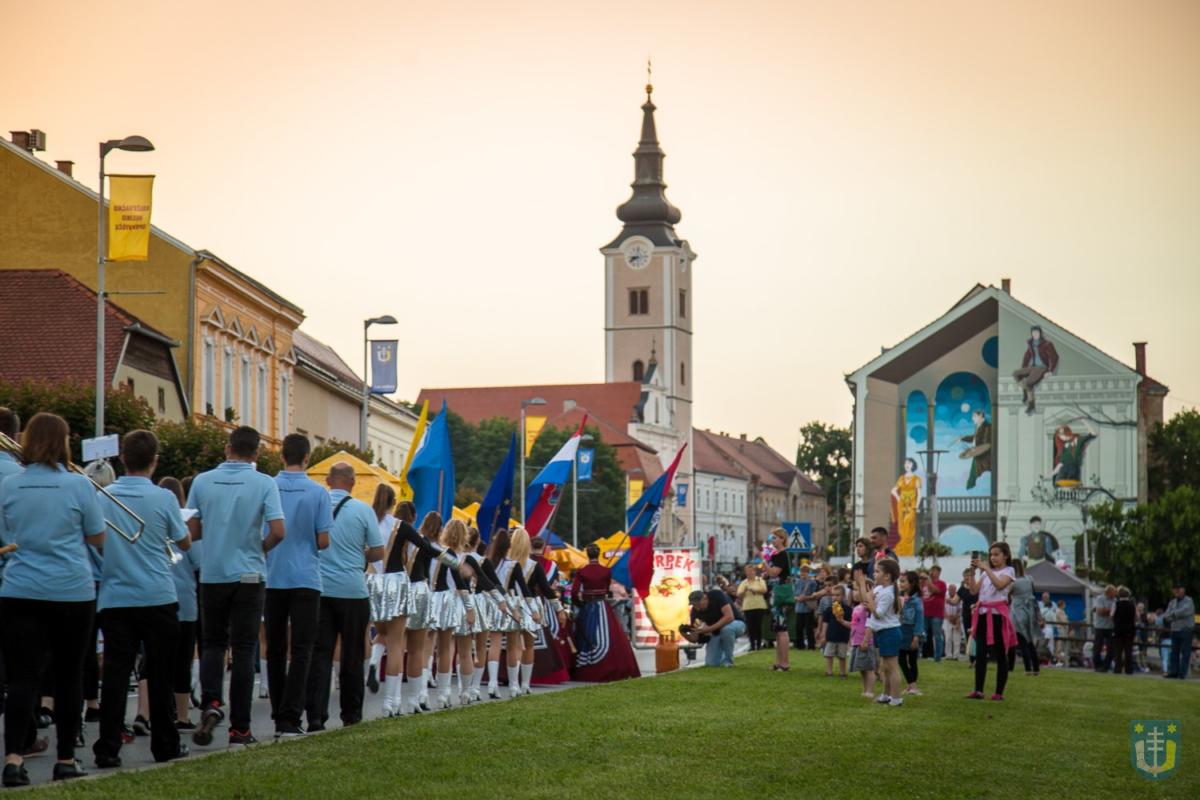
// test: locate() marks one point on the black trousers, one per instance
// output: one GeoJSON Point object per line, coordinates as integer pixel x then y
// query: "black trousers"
{"type": "Point", "coordinates": [181, 663]}
{"type": "Point", "coordinates": [996, 652]}
{"type": "Point", "coordinates": [37, 632]}
{"type": "Point", "coordinates": [232, 615]}
{"type": "Point", "coordinates": [287, 683]}
{"type": "Point", "coordinates": [1124, 651]}
{"type": "Point", "coordinates": [1103, 644]}
{"type": "Point", "coordinates": [1029, 655]}
{"type": "Point", "coordinates": [154, 628]}
{"type": "Point", "coordinates": [908, 664]}
{"type": "Point", "coordinates": [806, 631]}
{"type": "Point", "coordinates": [91, 662]}
{"type": "Point", "coordinates": [347, 619]}
{"type": "Point", "coordinates": [754, 626]}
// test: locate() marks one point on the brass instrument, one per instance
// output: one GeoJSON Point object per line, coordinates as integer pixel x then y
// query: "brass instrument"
{"type": "Point", "coordinates": [14, 448]}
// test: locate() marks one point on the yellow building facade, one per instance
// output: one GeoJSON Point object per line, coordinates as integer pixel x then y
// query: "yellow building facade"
{"type": "Point", "coordinates": [235, 333]}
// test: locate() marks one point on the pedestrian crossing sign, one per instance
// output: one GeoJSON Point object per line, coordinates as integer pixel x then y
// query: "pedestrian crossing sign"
{"type": "Point", "coordinates": [799, 536]}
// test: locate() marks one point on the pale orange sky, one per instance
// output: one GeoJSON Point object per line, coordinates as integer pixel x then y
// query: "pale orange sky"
{"type": "Point", "coordinates": [846, 171]}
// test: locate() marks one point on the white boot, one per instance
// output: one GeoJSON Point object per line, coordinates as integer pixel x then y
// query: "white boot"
{"type": "Point", "coordinates": [464, 693]}
{"type": "Point", "coordinates": [423, 691]}
{"type": "Point", "coordinates": [526, 677]}
{"type": "Point", "coordinates": [514, 681]}
{"type": "Point", "coordinates": [397, 682]}
{"type": "Point", "coordinates": [412, 704]}
{"type": "Point", "coordinates": [476, 680]}
{"type": "Point", "coordinates": [493, 679]}
{"type": "Point", "coordinates": [389, 696]}
{"type": "Point", "coordinates": [445, 686]}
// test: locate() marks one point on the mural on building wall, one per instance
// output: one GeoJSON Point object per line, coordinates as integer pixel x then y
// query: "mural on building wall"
{"type": "Point", "coordinates": [1040, 359]}
{"type": "Point", "coordinates": [964, 540]}
{"type": "Point", "coordinates": [906, 495]}
{"type": "Point", "coordinates": [1038, 545]}
{"type": "Point", "coordinates": [1069, 450]}
{"type": "Point", "coordinates": [962, 428]}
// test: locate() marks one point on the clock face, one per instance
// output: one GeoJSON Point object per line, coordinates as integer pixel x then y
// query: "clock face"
{"type": "Point", "coordinates": [637, 255]}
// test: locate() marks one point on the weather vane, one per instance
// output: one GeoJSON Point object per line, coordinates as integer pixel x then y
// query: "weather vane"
{"type": "Point", "coordinates": [649, 78]}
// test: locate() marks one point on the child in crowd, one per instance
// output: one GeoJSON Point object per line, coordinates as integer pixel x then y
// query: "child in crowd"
{"type": "Point", "coordinates": [912, 629]}
{"type": "Point", "coordinates": [883, 603]}
{"type": "Point", "coordinates": [835, 631]}
{"type": "Point", "coordinates": [862, 649]}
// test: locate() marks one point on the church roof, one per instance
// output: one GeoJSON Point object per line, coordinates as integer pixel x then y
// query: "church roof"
{"type": "Point", "coordinates": [648, 212]}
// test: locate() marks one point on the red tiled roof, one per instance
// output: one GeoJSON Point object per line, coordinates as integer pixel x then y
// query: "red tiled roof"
{"type": "Point", "coordinates": [757, 457]}
{"type": "Point", "coordinates": [612, 402]}
{"type": "Point", "coordinates": [48, 328]}
{"type": "Point", "coordinates": [325, 357]}
{"type": "Point", "coordinates": [708, 457]}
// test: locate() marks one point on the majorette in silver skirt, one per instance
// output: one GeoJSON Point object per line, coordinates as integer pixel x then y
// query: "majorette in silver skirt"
{"type": "Point", "coordinates": [488, 615]}
{"type": "Point", "coordinates": [446, 610]}
{"type": "Point", "coordinates": [532, 605]}
{"type": "Point", "coordinates": [420, 606]}
{"type": "Point", "coordinates": [511, 621]}
{"type": "Point", "coordinates": [388, 594]}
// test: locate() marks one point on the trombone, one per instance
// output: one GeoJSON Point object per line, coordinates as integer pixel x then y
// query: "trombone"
{"type": "Point", "coordinates": [14, 448]}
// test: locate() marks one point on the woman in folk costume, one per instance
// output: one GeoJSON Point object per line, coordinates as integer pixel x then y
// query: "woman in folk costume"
{"type": "Point", "coordinates": [526, 617]}
{"type": "Point", "coordinates": [454, 615]}
{"type": "Point", "coordinates": [490, 609]}
{"type": "Point", "coordinates": [551, 653]}
{"type": "Point", "coordinates": [388, 590]}
{"type": "Point", "coordinates": [603, 652]}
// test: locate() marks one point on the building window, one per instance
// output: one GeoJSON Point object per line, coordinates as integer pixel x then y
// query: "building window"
{"type": "Point", "coordinates": [283, 405]}
{"type": "Point", "coordinates": [162, 400]}
{"type": "Point", "coordinates": [639, 302]}
{"type": "Point", "coordinates": [682, 374]}
{"type": "Point", "coordinates": [261, 419]}
{"type": "Point", "coordinates": [210, 376]}
{"type": "Point", "coordinates": [227, 385]}
{"type": "Point", "coordinates": [639, 371]}
{"type": "Point", "coordinates": [682, 302]}
{"type": "Point", "coordinates": [245, 396]}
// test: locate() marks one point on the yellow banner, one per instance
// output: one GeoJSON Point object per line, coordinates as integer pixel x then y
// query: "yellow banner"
{"type": "Point", "coordinates": [129, 217]}
{"type": "Point", "coordinates": [533, 426]}
{"type": "Point", "coordinates": [635, 491]}
{"type": "Point", "coordinates": [406, 492]}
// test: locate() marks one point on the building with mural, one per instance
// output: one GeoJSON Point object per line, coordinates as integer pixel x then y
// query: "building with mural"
{"type": "Point", "coordinates": [1014, 424]}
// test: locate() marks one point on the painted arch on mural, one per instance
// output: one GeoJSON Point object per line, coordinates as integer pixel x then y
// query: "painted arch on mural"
{"type": "Point", "coordinates": [962, 426]}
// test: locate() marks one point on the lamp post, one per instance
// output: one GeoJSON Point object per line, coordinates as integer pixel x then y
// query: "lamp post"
{"type": "Point", "coordinates": [386, 319]}
{"type": "Point", "coordinates": [533, 401]}
{"type": "Point", "coordinates": [587, 437]}
{"type": "Point", "coordinates": [837, 505]}
{"type": "Point", "coordinates": [134, 144]}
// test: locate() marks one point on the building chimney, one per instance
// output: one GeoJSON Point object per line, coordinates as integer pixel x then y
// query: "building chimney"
{"type": "Point", "coordinates": [66, 167]}
{"type": "Point", "coordinates": [20, 139]}
{"type": "Point", "coordinates": [1139, 358]}
{"type": "Point", "coordinates": [1006, 285]}
{"type": "Point", "coordinates": [742, 437]}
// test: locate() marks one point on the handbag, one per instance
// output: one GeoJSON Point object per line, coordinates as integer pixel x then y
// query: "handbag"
{"type": "Point", "coordinates": [784, 594]}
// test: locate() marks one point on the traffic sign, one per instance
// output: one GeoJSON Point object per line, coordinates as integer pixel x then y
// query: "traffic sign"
{"type": "Point", "coordinates": [799, 536]}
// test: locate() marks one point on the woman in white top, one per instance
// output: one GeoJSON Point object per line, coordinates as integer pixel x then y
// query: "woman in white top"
{"type": "Point", "coordinates": [952, 623]}
{"type": "Point", "coordinates": [884, 623]}
{"type": "Point", "coordinates": [996, 634]}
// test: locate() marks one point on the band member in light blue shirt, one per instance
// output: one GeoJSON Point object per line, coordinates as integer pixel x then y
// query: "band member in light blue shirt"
{"type": "Point", "coordinates": [232, 503]}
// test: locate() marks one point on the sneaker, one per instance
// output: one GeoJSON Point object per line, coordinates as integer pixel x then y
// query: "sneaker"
{"type": "Point", "coordinates": [868, 695]}
{"type": "Point", "coordinates": [91, 714]}
{"type": "Point", "coordinates": [287, 730]}
{"type": "Point", "coordinates": [141, 726]}
{"type": "Point", "coordinates": [372, 680]}
{"type": "Point", "coordinates": [914, 692]}
{"type": "Point", "coordinates": [262, 690]}
{"type": "Point", "coordinates": [209, 720]}
{"type": "Point", "coordinates": [975, 696]}
{"type": "Point", "coordinates": [896, 701]}
{"type": "Point", "coordinates": [67, 772]}
{"type": "Point", "coordinates": [997, 697]}
{"type": "Point", "coordinates": [241, 738]}
{"type": "Point", "coordinates": [45, 718]}
{"type": "Point", "coordinates": [185, 725]}
{"type": "Point", "coordinates": [182, 752]}
{"type": "Point", "coordinates": [883, 699]}
{"type": "Point", "coordinates": [107, 762]}
{"type": "Point", "coordinates": [40, 745]}
{"type": "Point", "coordinates": [15, 775]}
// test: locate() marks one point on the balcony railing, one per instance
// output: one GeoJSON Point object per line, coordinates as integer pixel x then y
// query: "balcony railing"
{"type": "Point", "coordinates": [966, 506]}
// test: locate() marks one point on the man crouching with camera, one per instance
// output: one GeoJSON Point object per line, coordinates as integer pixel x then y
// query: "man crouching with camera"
{"type": "Point", "coordinates": [716, 622]}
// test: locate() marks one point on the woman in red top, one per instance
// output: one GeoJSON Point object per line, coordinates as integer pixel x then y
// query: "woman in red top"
{"type": "Point", "coordinates": [603, 652]}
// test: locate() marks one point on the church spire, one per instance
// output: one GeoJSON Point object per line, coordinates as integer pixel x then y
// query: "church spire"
{"type": "Point", "coordinates": [648, 212]}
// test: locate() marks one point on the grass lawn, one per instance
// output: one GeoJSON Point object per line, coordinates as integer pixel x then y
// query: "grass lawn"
{"type": "Point", "coordinates": [728, 733]}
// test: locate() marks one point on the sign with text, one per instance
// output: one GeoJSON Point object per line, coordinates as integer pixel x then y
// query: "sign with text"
{"type": "Point", "coordinates": [129, 217]}
{"type": "Point", "coordinates": [665, 608]}
{"type": "Point", "coordinates": [383, 366]}
{"type": "Point", "coordinates": [100, 447]}
{"type": "Point", "coordinates": [587, 457]}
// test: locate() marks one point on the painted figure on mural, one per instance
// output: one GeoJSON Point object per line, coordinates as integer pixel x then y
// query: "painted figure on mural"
{"type": "Point", "coordinates": [980, 451]}
{"type": "Point", "coordinates": [1038, 545]}
{"type": "Point", "coordinates": [1040, 359]}
{"type": "Point", "coordinates": [1069, 450]}
{"type": "Point", "coordinates": [906, 494]}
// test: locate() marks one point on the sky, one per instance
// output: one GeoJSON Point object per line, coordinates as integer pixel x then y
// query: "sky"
{"type": "Point", "coordinates": [846, 171]}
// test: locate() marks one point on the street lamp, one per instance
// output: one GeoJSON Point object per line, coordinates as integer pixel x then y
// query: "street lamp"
{"type": "Point", "coordinates": [533, 401]}
{"type": "Point", "coordinates": [587, 437]}
{"type": "Point", "coordinates": [134, 144]}
{"type": "Point", "coordinates": [386, 319]}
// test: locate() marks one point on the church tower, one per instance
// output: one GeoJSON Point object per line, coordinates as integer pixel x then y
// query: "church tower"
{"type": "Point", "coordinates": [648, 302]}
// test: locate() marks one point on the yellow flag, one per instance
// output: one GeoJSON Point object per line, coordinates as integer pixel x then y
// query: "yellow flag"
{"type": "Point", "coordinates": [635, 490]}
{"type": "Point", "coordinates": [406, 492]}
{"type": "Point", "coordinates": [533, 426]}
{"type": "Point", "coordinates": [129, 217]}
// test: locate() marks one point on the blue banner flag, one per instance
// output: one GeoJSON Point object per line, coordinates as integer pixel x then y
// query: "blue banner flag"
{"type": "Point", "coordinates": [496, 508]}
{"type": "Point", "coordinates": [431, 474]}
{"type": "Point", "coordinates": [584, 466]}
{"type": "Point", "coordinates": [681, 495]}
{"type": "Point", "coordinates": [383, 366]}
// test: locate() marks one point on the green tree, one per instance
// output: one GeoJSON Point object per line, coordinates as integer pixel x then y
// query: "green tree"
{"type": "Point", "coordinates": [824, 455]}
{"type": "Point", "coordinates": [191, 447]}
{"type": "Point", "coordinates": [75, 402]}
{"type": "Point", "coordinates": [1175, 454]}
{"type": "Point", "coordinates": [331, 447]}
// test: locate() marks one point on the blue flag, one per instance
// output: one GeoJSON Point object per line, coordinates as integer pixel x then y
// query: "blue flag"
{"type": "Point", "coordinates": [496, 508]}
{"type": "Point", "coordinates": [383, 366]}
{"type": "Point", "coordinates": [583, 465]}
{"type": "Point", "coordinates": [431, 474]}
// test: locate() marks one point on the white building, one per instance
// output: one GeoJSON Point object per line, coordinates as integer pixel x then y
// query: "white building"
{"type": "Point", "coordinates": [719, 503]}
